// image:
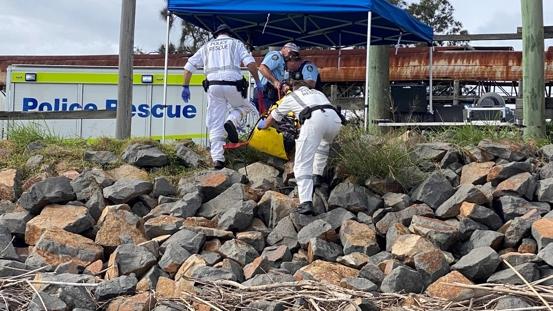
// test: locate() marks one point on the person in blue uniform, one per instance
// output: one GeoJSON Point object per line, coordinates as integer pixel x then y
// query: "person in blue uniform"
{"type": "Point", "coordinates": [272, 72]}
{"type": "Point", "coordinates": [304, 70]}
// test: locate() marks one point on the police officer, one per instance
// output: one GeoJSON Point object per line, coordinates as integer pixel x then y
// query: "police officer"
{"type": "Point", "coordinates": [272, 71]}
{"type": "Point", "coordinates": [301, 69]}
{"type": "Point", "coordinates": [320, 124]}
{"type": "Point", "coordinates": [221, 58]}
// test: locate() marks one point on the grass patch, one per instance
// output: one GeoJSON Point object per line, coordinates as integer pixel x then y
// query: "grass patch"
{"type": "Point", "coordinates": [471, 135]}
{"type": "Point", "coordinates": [68, 153]}
{"type": "Point", "coordinates": [365, 155]}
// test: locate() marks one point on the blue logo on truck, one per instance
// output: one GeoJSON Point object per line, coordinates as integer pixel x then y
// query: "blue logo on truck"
{"type": "Point", "coordinates": [187, 111]}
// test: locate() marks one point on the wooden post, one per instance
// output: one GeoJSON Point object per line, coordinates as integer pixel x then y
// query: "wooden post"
{"type": "Point", "coordinates": [126, 51]}
{"type": "Point", "coordinates": [533, 68]}
{"type": "Point", "coordinates": [379, 84]}
{"type": "Point", "coordinates": [456, 92]}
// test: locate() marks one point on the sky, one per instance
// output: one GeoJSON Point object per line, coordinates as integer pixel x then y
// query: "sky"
{"type": "Point", "coordinates": [85, 27]}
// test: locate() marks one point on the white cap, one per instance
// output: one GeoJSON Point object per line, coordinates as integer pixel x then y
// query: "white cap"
{"type": "Point", "coordinates": [292, 46]}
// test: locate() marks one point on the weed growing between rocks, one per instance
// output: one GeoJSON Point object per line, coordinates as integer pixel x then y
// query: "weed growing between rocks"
{"type": "Point", "coordinates": [368, 156]}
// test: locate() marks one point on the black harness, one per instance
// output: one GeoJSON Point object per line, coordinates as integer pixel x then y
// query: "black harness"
{"type": "Point", "coordinates": [305, 114]}
{"type": "Point", "coordinates": [241, 85]}
{"type": "Point", "coordinates": [307, 111]}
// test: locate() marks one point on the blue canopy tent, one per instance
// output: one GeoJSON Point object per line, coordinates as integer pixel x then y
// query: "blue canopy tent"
{"type": "Point", "coordinates": [325, 23]}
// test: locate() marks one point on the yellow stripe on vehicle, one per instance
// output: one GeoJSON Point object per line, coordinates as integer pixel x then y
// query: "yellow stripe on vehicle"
{"type": "Point", "coordinates": [100, 78]}
{"type": "Point", "coordinates": [183, 136]}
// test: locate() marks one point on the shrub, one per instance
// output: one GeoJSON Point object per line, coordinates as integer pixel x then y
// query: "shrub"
{"type": "Point", "coordinates": [364, 155]}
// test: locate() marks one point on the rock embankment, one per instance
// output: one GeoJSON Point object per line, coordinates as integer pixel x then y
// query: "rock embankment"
{"type": "Point", "coordinates": [127, 235]}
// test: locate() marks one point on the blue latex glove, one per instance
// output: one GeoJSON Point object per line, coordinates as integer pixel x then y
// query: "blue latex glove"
{"type": "Point", "coordinates": [261, 124]}
{"type": "Point", "coordinates": [258, 87]}
{"type": "Point", "coordinates": [185, 93]}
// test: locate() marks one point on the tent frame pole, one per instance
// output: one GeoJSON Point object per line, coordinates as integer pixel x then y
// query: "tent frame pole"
{"type": "Point", "coordinates": [369, 26]}
{"type": "Point", "coordinates": [165, 75]}
{"type": "Point", "coordinates": [430, 95]}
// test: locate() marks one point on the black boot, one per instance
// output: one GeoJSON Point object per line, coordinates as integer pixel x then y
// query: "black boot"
{"type": "Point", "coordinates": [218, 165]}
{"type": "Point", "coordinates": [232, 134]}
{"type": "Point", "coordinates": [306, 208]}
{"type": "Point", "coordinates": [317, 180]}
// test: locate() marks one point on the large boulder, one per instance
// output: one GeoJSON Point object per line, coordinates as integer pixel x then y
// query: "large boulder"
{"type": "Point", "coordinates": [324, 271]}
{"type": "Point", "coordinates": [100, 157]}
{"type": "Point", "coordinates": [274, 206]}
{"type": "Point", "coordinates": [262, 177]}
{"type": "Point", "coordinates": [142, 155]}
{"type": "Point", "coordinates": [476, 173]}
{"type": "Point", "coordinates": [522, 184]}
{"type": "Point", "coordinates": [465, 193]}
{"type": "Point", "coordinates": [443, 288]}
{"type": "Point", "coordinates": [479, 264]}
{"type": "Point", "coordinates": [434, 190]}
{"type": "Point", "coordinates": [402, 279]}
{"type": "Point", "coordinates": [124, 190]}
{"type": "Point", "coordinates": [89, 182]}
{"type": "Point", "coordinates": [239, 251]}
{"type": "Point", "coordinates": [10, 184]}
{"type": "Point", "coordinates": [189, 157]}
{"type": "Point", "coordinates": [354, 198]}
{"type": "Point", "coordinates": [49, 191]}
{"type": "Point", "coordinates": [233, 197]}
{"type": "Point", "coordinates": [187, 206]}
{"type": "Point", "coordinates": [56, 247]}
{"type": "Point", "coordinates": [358, 237]}
{"type": "Point", "coordinates": [130, 259]}
{"type": "Point", "coordinates": [118, 225]}
{"type": "Point", "coordinates": [210, 184]}
{"type": "Point", "coordinates": [439, 232]}
{"type": "Point", "coordinates": [404, 217]}
{"type": "Point", "coordinates": [71, 218]}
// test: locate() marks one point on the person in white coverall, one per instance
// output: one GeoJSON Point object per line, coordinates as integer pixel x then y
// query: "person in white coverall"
{"type": "Point", "coordinates": [221, 59]}
{"type": "Point", "coordinates": [318, 130]}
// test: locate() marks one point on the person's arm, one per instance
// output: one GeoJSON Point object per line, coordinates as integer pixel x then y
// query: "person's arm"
{"type": "Point", "coordinates": [187, 77]}
{"type": "Point", "coordinates": [277, 114]}
{"type": "Point", "coordinates": [267, 122]}
{"type": "Point", "coordinates": [266, 72]}
{"type": "Point", "coordinates": [191, 65]}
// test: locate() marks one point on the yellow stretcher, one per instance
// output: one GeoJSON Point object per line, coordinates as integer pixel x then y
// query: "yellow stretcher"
{"type": "Point", "coordinates": [268, 141]}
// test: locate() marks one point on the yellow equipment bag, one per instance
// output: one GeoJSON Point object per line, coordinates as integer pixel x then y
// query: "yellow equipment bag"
{"type": "Point", "coordinates": [268, 141]}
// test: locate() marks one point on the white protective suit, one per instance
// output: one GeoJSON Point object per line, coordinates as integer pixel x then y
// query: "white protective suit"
{"type": "Point", "coordinates": [316, 135]}
{"type": "Point", "coordinates": [221, 59]}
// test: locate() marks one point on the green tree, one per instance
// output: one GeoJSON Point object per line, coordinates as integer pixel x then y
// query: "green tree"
{"type": "Point", "coordinates": [438, 14]}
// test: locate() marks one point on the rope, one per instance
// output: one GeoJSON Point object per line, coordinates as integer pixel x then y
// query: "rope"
{"type": "Point", "coordinates": [266, 22]}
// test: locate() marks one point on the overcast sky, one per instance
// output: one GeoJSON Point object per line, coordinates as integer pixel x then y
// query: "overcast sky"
{"type": "Point", "coordinates": [70, 27]}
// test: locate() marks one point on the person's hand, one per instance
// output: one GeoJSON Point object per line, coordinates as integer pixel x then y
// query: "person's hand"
{"type": "Point", "coordinates": [261, 124]}
{"type": "Point", "coordinates": [285, 88]}
{"type": "Point", "coordinates": [277, 85]}
{"type": "Point", "coordinates": [185, 93]}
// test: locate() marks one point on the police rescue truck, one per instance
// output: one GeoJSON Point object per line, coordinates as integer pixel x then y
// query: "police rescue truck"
{"type": "Point", "coordinates": [31, 88]}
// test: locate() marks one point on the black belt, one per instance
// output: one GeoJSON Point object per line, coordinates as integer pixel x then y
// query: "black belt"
{"type": "Point", "coordinates": [306, 112]}
{"type": "Point", "coordinates": [241, 85]}
{"type": "Point", "coordinates": [225, 82]}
